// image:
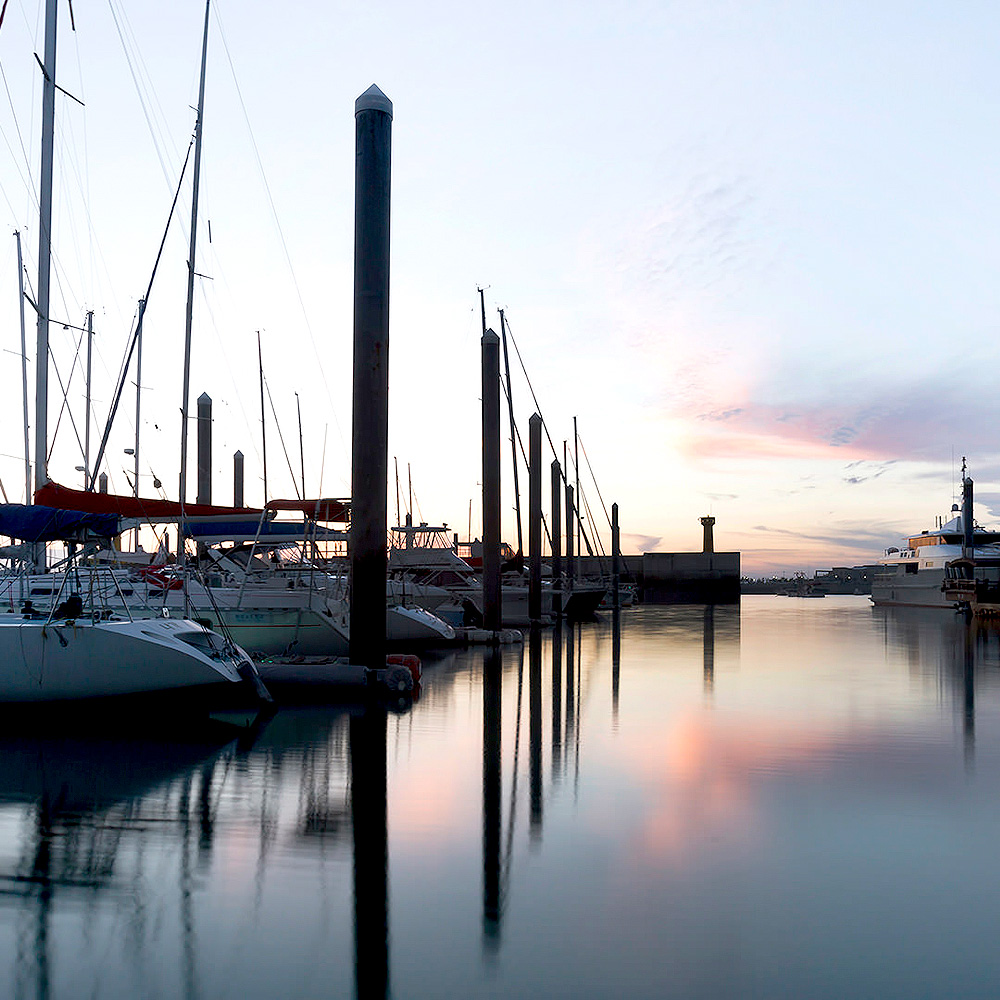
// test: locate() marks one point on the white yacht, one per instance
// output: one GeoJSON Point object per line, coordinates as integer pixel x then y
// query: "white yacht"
{"type": "Point", "coordinates": [921, 571]}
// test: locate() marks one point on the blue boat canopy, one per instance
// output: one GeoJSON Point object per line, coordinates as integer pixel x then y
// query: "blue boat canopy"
{"type": "Point", "coordinates": [50, 524]}
{"type": "Point", "coordinates": [212, 531]}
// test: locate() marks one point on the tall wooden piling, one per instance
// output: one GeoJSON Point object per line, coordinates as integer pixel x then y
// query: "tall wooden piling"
{"type": "Point", "coordinates": [556, 538]}
{"type": "Point", "coordinates": [238, 479]}
{"type": "Point", "coordinates": [370, 439]}
{"type": "Point", "coordinates": [615, 558]}
{"type": "Point", "coordinates": [204, 448]}
{"type": "Point", "coordinates": [535, 517]}
{"type": "Point", "coordinates": [570, 568]}
{"type": "Point", "coordinates": [491, 481]}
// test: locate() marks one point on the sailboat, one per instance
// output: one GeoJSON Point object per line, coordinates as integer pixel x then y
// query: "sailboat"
{"type": "Point", "coordinates": [70, 651]}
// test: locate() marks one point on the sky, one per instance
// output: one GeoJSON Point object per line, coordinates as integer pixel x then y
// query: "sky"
{"type": "Point", "coordinates": [750, 246]}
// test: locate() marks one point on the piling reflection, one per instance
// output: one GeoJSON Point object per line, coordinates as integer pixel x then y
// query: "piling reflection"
{"type": "Point", "coordinates": [492, 690]}
{"type": "Point", "coordinates": [371, 852]}
{"type": "Point", "coordinates": [616, 663]}
{"type": "Point", "coordinates": [571, 633]}
{"type": "Point", "coordinates": [535, 729]}
{"type": "Point", "coordinates": [969, 693]}
{"type": "Point", "coordinates": [708, 641]}
{"type": "Point", "coordinates": [557, 700]}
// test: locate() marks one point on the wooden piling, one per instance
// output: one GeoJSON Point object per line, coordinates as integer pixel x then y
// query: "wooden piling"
{"type": "Point", "coordinates": [369, 456]}
{"type": "Point", "coordinates": [204, 448]}
{"type": "Point", "coordinates": [535, 517]}
{"type": "Point", "coordinates": [556, 538]}
{"type": "Point", "coordinates": [491, 481]}
{"type": "Point", "coordinates": [570, 568]}
{"type": "Point", "coordinates": [615, 557]}
{"type": "Point", "coordinates": [238, 479]}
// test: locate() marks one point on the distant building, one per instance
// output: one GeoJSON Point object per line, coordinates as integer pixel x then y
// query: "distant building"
{"type": "Point", "coordinates": [838, 580]}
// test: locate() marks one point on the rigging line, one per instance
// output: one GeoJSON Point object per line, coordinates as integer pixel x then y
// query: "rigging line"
{"type": "Point", "coordinates": [524, 457]}
{"type": "Point", "coordinates": [206, 302]}
{"type": "Point", "coordinates": [531, 389]}
{"type": "Point", "coordinates": [586, 458]}
{"type": "Point", "coordinates": [277, 223]}
{"type": "Point", "coordinates": [20, 139]}
{"type": "Point", "coordinates": [149, 288]}
{"type": "Point", "coordinates": [139, 92]}
{"type": "Point", "coordinates": [64, 408]}
{"type": "Point", "coordinates": [597, 538]}
{"type": "Point", "coordinates": [281, 438]}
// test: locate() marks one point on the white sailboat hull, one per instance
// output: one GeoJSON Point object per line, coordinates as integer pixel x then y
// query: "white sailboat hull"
{"type": "Point", "coordinates": [62, 660]}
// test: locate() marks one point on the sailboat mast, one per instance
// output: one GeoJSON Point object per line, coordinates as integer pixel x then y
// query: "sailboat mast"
{"type": "Point", "coordinates": [198, 129]}
{"type": "Point", "coordinates": [24, 375]}
{"type": "Point", "coordinates": [45, 248]}
{"type": "Point", "coordinates": [513, 433]}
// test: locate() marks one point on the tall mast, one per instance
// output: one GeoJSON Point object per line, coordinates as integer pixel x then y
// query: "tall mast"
{"type": "Point", "coordinates": [24, 375]}
{"type": "Point", "coordinates": [513, 433]}
{"type": "Point", "coordinates": [45, 247]}
{"type": "Point", "coordinates": [198, 128]}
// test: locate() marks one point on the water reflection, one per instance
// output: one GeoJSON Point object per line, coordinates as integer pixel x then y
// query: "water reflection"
{"type": "Point", "coordinates": [75, 801]}
{"type": "Point", "coordinates": [708, 641]}
{"type": "Point", "coordinates": [758, 793]}
{"type": "Point", "coordinates": [371, 852]}
{"type": "Point", "coordinates": [556, 700]}
{"type": "Point", "coordinates": [616, 662]}
{"type": "Point", "coordinates": [535, 729]}
{"type": "Point", "coordinates": [492, 811]}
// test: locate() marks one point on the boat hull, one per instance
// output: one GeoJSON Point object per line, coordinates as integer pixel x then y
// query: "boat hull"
{"type": "Point", "coordinates": [916, 590]}
{"type": "Point", "coordinates": [276, 631]}
{"type": "Point", "coordinates": [68, 661]}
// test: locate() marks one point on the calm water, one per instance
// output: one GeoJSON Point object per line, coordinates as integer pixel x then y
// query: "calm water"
{"type": "Point", "coordinates": [794, 798]}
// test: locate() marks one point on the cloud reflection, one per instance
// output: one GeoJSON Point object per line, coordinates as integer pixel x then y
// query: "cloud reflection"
{"type": "Point", "coordinates": [705, 776]}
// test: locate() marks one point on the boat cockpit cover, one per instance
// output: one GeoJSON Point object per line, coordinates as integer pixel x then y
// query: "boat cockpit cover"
{"type": "Point", "coordinates": [50, 524]}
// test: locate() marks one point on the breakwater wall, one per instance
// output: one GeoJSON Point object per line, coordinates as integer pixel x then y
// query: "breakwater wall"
{"type": "Point", "coordinates": [676, 577]}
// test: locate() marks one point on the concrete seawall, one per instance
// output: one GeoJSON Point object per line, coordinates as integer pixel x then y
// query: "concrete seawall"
{"type": "Point", "coordinates": [676, 577]}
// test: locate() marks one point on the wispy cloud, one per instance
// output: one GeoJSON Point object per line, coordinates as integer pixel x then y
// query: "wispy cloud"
{"type": "Point", "coordinates": [639, 543]}
{"type": "Point", "coordinates": [914, 419]}
{"type": "Point", "coordinates": [867, 471]}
